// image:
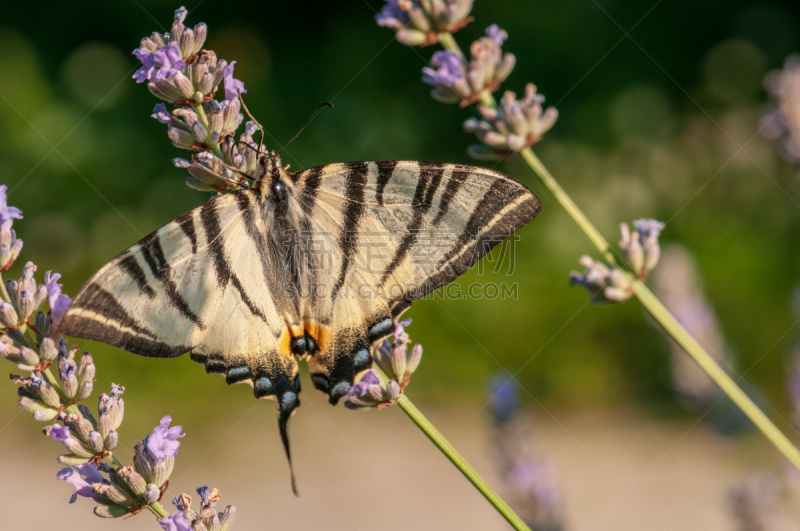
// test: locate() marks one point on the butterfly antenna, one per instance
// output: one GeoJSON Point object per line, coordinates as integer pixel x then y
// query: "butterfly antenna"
{"type": "Point", "coordinates": [261, 142]}
{"type": "Point", "coordinates": [319, 107]}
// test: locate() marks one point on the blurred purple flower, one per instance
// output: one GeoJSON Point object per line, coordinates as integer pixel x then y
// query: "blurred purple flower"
{"type": "Point", "coordinates": [59, 303]}
{"type": "Point", "coordinates": [497, 35]}
{"type": "Point", "coordinates": [503, 400]}
{"type": "Point", "coordinates": [448, 69]}
{"type": "Point", "coordinates": [164, 440]}
{"type": "Point", "coordinates": [177, 521]}
{"type": "Point", "coordinates": [233, 87]}
{"type": "Point", "coordinates": [7, 214]}
{"type": "Point", "coordinates": [59, 433]}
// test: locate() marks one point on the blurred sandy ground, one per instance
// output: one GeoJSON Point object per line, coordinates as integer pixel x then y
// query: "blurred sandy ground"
{"type": "Point", "coordinates": [618, 471]}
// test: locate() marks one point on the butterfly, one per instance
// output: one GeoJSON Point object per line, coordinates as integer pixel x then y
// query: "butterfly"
{"type": "Point", "coordinates": [315, 265]}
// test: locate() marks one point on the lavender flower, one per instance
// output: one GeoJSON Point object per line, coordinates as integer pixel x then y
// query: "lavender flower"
{"type": "Point", "coordinates": [503, 401]}
{"type": "Point", "coordinates": [233, 87]}
{"type": "Point", "coordinates": [531, 479]}
{"type": "Point", "coordinates": [455, 80]}
{"type": "Point", "coordinates": [417, 23]}
{"type": "Point", "coordinates": [512, 127]}
{"type": "Point", "coordinates": [172, 68]}
{"type": "Point", "coordinates": [207, 519]}
{"type": "Point", "coordinates": [10, 246]}
{"type": "Point", "coordinates": [602, 283]}
{"type": "Point", "coordinates": [164, 440]}
{"type": "Point", "coordinates": [781, 121]}
{"type": "Point", "coordinates": [59, 303]}
{"type": "Point", "coordinates": [177, 521]}
{"type": "Point", "coordinates": [396, 363]}
{"type": "Point", "coordinates": [83, 487]}
{"type": "Point", "coordinates": [678, 283]}
{"type": "Point", "coordinates": [448, 75]}
{"type": "Point", "coordinates": [641, 248]}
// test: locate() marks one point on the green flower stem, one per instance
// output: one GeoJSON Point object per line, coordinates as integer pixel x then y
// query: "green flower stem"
{"type": "Point", "coordinates": [655, 308]}
{"type": "Point", "coordinates": [158, 510]}
{"type": "Point", "coordinates": [720, 377]}
{"type": "Point", "coordinates": [456, 458]}
{"type": "Point", "coordinates": [449, 43]}
{"type": "Point", "coordinates": [569, 205]}
{"type": "Point", "coordinates": [648, 299]}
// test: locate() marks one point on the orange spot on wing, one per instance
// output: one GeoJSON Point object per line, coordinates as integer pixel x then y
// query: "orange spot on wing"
{"type": "Point", "coordinates": [285, 343]}
{"type": "Point", "coordinates": [319, 332]}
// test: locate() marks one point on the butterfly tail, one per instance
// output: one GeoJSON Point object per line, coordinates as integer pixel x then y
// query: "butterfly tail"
{"type": "Point", "coordinates": [284, 413]}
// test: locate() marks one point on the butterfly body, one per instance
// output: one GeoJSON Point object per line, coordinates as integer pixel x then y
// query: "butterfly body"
{"type": "Point", "coordinates": [315, 265]}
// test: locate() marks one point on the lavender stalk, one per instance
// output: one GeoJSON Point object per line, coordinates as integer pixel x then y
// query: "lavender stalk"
{"type": "Point", "coordinates": [512, 128]}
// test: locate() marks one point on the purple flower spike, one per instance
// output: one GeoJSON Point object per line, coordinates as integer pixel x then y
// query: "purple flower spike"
{"type": "Point", "coordinates": [233, 87]}
{"type": "Point", "coordinates": [148, 69]}
{"type": "Point", "coordinates": [169, 60]}
{"type": "Point", "coordinates": [164, 440]}
{"type": "Point", "coordinates": [176, 522]}
{"type": "Point", "coordinates": [82, 487]}
{"type": "Point", "coordinates": [448, 69]}
{"type": "Point", "coordinates": [59, 433]}
{"type": "Point", "coordinates": [59, 303]}
{"type": "Point", "coordinates": [7, 214]}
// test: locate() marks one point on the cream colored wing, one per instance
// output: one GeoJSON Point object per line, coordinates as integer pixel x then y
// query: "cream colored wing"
{"type": "Point", "coordinates": [394, 231]}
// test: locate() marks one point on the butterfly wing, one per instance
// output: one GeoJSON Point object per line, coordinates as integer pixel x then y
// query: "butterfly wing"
{"type": "Point", "coordinates": [395, 231]}
{"type": "Point", "coordinates": [200, 284]}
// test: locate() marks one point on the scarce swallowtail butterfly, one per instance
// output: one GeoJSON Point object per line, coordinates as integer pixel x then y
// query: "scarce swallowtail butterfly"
{"type": "Point", "coordinates": [255, 280]}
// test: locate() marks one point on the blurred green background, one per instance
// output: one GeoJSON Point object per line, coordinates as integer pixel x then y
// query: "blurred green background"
{"type": "Point", "coordinates": [647, 130]}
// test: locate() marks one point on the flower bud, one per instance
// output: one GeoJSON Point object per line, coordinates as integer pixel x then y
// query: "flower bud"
{"type": "Point", "coordinates": [110, 511]}
{"type": "Point", "coordinates": [134, 481]}
{"type": "Point", "coordinates": [8, 315]}
{"type": "Point", "coordinates": [227, 518]}
{"type": "Point", "coordinates": [152, 493]}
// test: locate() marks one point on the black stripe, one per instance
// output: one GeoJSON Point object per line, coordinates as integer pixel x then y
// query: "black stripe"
{"type": "Point", "coordinates": [429, 181]}
{"type": "Point", "coordinates": [385, 172]}
{"type": "Point", "coordinates": [210, 221]}
{"type": "Point", "coordinates": [160, 268]}
{"type": "Point", "coordinates": [457, 178]}
{"type": "Point", "coordinates": [311, 182]}
{"type": "Point", "coordinates": [208, 215]}
{"type": "Point", "coordinates": [355, 184]}
{"type": "Point", "coordinates": [186, 223]}
{"type": "Point", "coordinates": [132, 267]}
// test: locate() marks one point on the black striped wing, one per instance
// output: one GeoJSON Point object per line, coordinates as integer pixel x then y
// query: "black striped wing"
{"type": "Point", "coordinates": [201, 284]}
{"type": "Point", "coordinates": [395, 231]}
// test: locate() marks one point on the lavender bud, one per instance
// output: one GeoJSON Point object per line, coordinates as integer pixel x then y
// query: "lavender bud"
{"type": "Point", "coordinates": [28, 356]}
{"type": "Point", "coordinates": [602, 283]}
{"type": "Point", "coordinates": [95, 442]}
{"type": "Point", "coordinates": [110, 442]}
{"type": "Point", "coordinates": [44, 390]}
{"type": "Point", "coordinates": [399, 351]}
{"type": "Point", "coordinates": [111, 409]}
{"type": "Point", "coordinates": [8, 315]}
{"type": "Point", "coordinates": [85, 375]}
{"type": "Point", "coordinates": [152, 493]}
{"type": "Point", "coordinates": [110, 511]}
{"type": "Point", "coordinates": [227, 518]}
{"type": "Point", "coordinates": [414, 359]}
{"type": "Point", "coordinates": [133, 480]}
{"type": "Point", "coordinates": [47, 349]}
{"type": "Point", "coordinates": [112, 494]}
